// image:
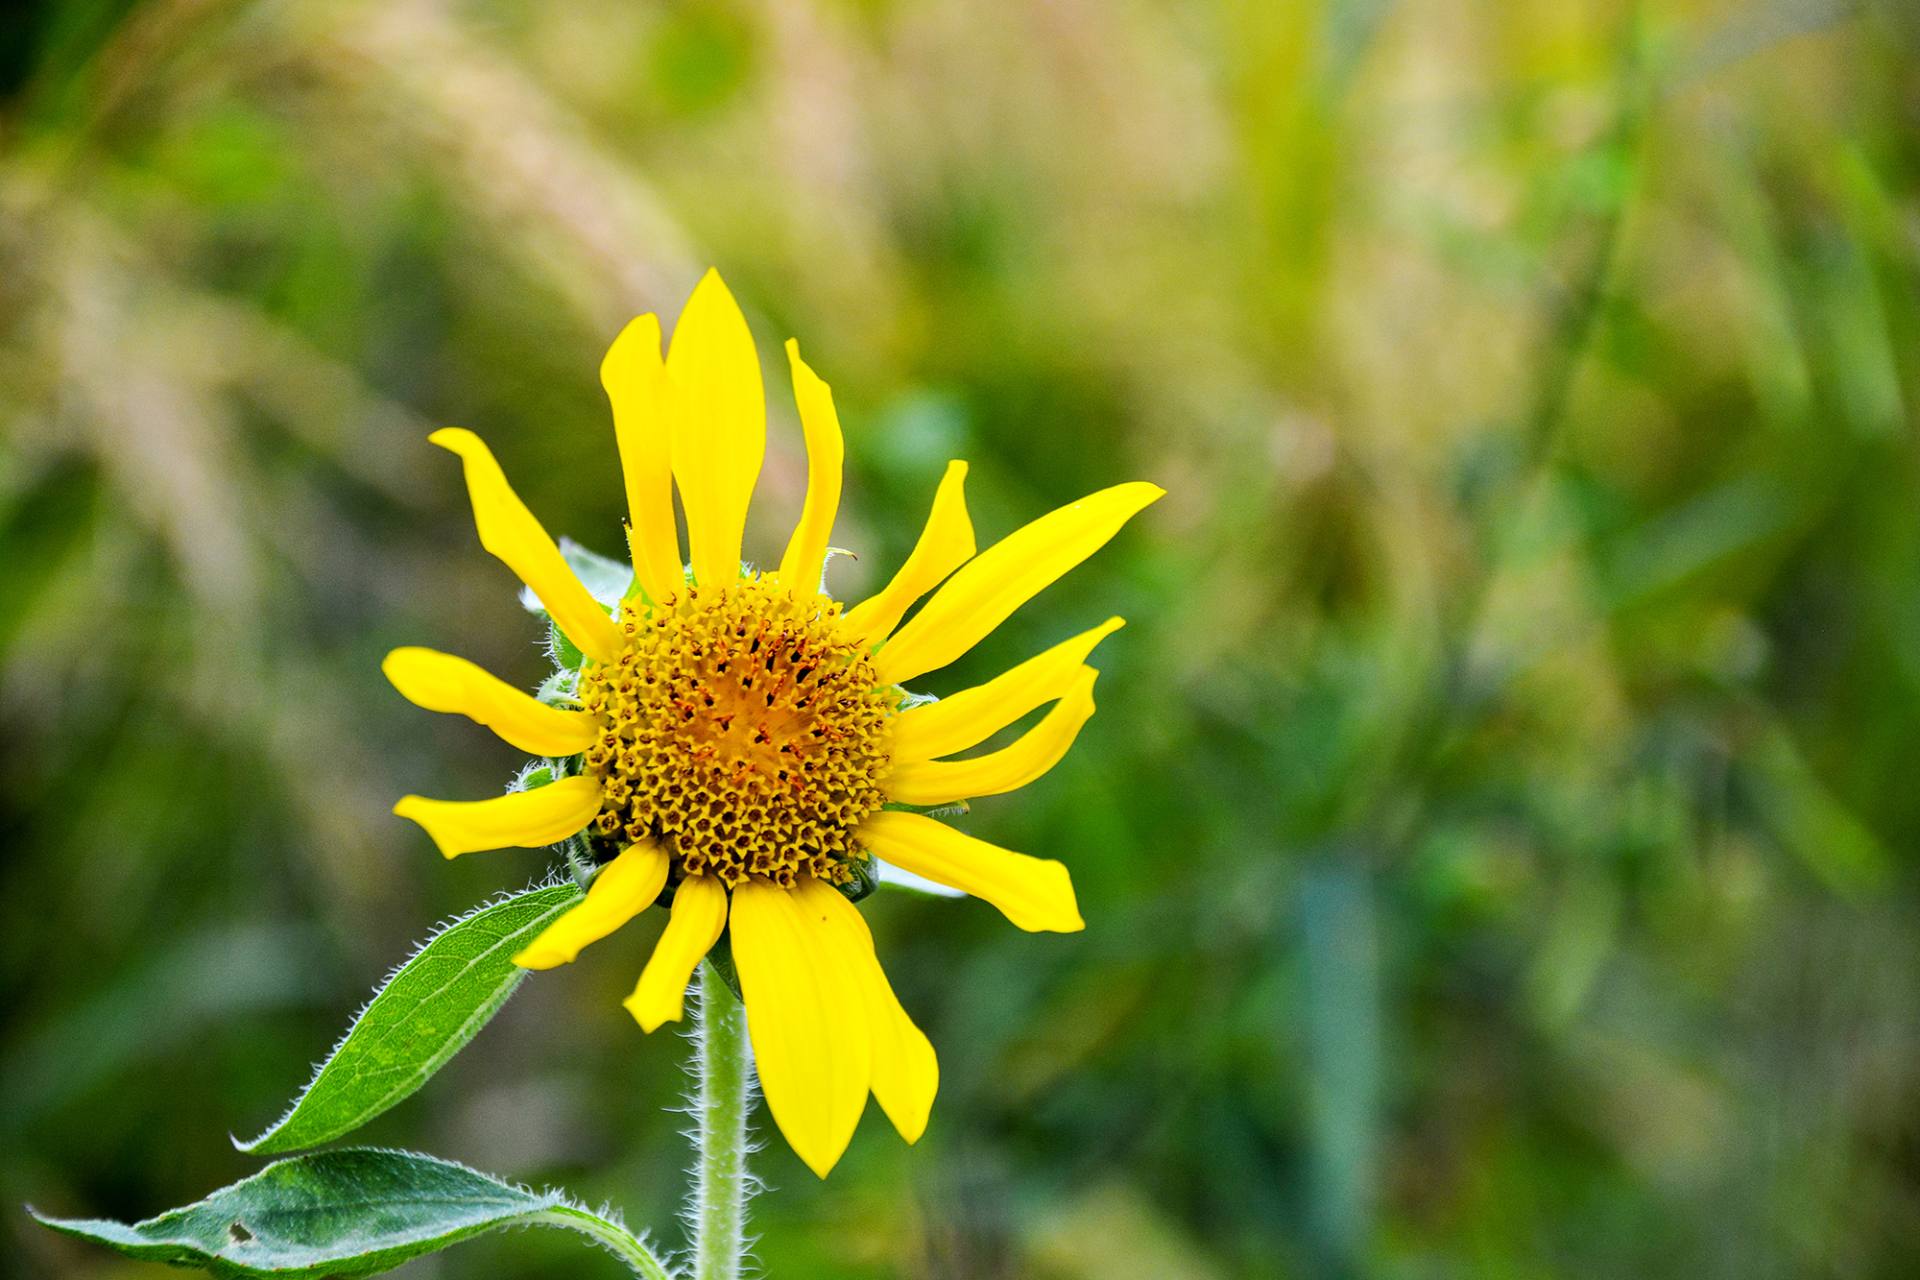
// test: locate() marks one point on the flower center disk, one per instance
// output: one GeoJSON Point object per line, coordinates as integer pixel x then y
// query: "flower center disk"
{"type": "Point", "coordinates": [744, 733]}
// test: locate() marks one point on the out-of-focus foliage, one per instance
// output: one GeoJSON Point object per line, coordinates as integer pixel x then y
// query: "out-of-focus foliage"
{"type": "Point", "coordinates": [1498, 835]}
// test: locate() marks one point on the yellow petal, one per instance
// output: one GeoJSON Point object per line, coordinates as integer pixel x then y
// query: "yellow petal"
{"type": "Point", "coordinates": [807, 1019]}
{"type": "Point", "coordinates": [933, 782]}
{"type": "Point", "coordinates": [699, 914]}
{"type": "Point", "coordinates": [637, 388]}
{"type": "Point", "coordinates": [807, 549]}
{"type": "Point", "coordinates": [510, 531]}
{"type": "Point", "coordinates": [720, 431]}
{"type": "Point", "coordinates": [974, 715]}
{"type": "Point", "coordinates": [1005, 576]}
{"type": "Point", "coordinates": [441, 682]}
{"type": "Point", "coordinates": [519, 820]}
{"type": "Point", "coordinates": [1034, 893]}
{"type": "Point", "coordinates": [906, 1075]}
{"type": "Point", "coordinates": [624, 888]}
{"type": "Point", "coordinates": [945, 544]}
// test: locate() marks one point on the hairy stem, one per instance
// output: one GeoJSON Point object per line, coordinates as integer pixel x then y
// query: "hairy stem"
{"type": "Point", "coordinates": [723, 1069]}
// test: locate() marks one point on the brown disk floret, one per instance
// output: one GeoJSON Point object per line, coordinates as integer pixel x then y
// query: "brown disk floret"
{"type": "Point", "coordinates": [743, 732]}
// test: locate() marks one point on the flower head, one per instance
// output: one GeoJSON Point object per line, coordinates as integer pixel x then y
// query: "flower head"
{"type": "Point", "coordinates": [735, 742]}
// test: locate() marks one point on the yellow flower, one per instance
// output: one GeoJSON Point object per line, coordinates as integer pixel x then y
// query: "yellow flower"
{"type": "Point", "coordinates": [736, 735]}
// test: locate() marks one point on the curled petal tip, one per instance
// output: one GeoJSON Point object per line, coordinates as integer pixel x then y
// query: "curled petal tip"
{"type": "Point", "coordinates": [638, 340]}
{"type": "Point", "coordinates": [649, 1020]}
{"type": "Point", "coordinates": [821, 1166]}
{"type": "Point", "coordinates": [410, 807]}
{"type": "Point", "coordinates": [1065, 916]}
{"type": "Point", "coordinates": [536, 959]}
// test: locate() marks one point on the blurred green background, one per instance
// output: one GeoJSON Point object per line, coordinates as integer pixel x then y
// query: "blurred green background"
{"type": "Point", "coordinates": [1498, 839]}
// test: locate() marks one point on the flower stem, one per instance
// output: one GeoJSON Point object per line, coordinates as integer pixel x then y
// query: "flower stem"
{"type": "Point", "coordinates": [723, 1071]}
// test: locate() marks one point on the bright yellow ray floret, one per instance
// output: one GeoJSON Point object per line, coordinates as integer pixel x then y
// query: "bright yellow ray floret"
{"type": "Point", "coordinates": [807, 549]}
{"type": "Point", "coordinates": [904, 1072]}
{"type": "Point", "coordinates": [699, 916]}
{"type": "Point", "coordinates": [1035, 893]}
{"type": "Point", "coordinates": [721, 426]}
{"type": "Point", "coordinates": [812, 1044]}
{"type": "Point", "coordinates": [510, 531]}
{"type": "Point", "coordinates": [988, 588]}
{"type": "Point", "coordinates": [971, 716]}
{"type": "Point", "coordinates": [441, 682]}
{"type": "Point", "coordinates": [518, 820]}
{"type": "Point", "coordinates": [643, 414]}
{"type": "Point", "coordinates": [945, 544]}
{"type": "Point", "coordinates": [937, 782]}
{"type": "Point", "coordinates": [624, 888]}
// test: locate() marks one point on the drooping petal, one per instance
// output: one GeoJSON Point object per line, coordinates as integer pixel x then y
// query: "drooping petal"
{"type": "Point", "coordinates": [699, 914]}
{"type": "Point", "coordinates": [807, 1019]}
{"type": "Point", "coordinates": [945, 544]}
{"type": "Point", "coordinates": [519, 820]}
{"type": "Point", "coordinates": [1036, 894]}
{"type": "Point", "coordinates": [510, 532]}
{"type": "Point", "coordinates": [442, 682]}
{"type": "Point", "coordinates": [973, 715]}
{"type": "Point", "coordinates": [624, 888]}
{"type": "Point", "coordinates": [807, 549]}
{"type": "Point", "coordinates": [906, 1075]}
{"type": "Point", "coordinates": [988, 588]}
{"type": "Point", "coordinates": [906, 1072]}
{"type": "Point", "coordinates": [637, 388]}
{"type": "Point", "coordinates": [720, 427]}
{"type": "Point", "coordinates": [934, 782]}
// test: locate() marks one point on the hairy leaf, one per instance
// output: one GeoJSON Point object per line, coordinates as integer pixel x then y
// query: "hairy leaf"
{"type": "Point", "coordinates": [424, 1014]}
{"type": "Point", "coordinates": [344, 1213]}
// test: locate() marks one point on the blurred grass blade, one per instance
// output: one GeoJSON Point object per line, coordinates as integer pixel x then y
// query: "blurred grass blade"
{"type": "Point", "coordinates": [203, 980]}
{"type": "Point", "coordinates": [41, 529]}
{"type": "Point", "coordinates": [1342, 1015]}
{"type": "Point", "coordinates": [345, 1213]}
{"type": "Point", "coordinates": [424, 1014]}
{"type": "Point", "coordinates": [1754, 29]}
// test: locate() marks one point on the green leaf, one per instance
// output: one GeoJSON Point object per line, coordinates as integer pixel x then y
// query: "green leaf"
{"type": "Point", "coordinates": [424, 1014]}
{"type": "Point", "coordinates": [345, 1213]}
